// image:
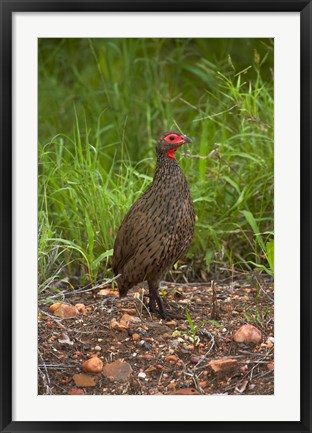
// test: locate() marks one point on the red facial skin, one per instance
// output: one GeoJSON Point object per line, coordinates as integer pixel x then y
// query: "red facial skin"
{"type": "Point", "coordinates": [174, 139]}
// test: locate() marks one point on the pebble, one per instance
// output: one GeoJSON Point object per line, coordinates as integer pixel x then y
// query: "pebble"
{"type": "Point", "coordinates": [66, 311]}
{"type": "Point", "coordinates": [150, 369]}
{"type": "Point", "coordinates": [136, 337]}
{"type": "Point", "coordinates": [175, 343]}
{"type": "Point", "coordinates": [115, 324]}
{"type": "Point", "coordinates": [92, 365]}
{"type": "Point", "coordinates": [75, 391]}
{"type": "Point", "coordinates": [64, 339]}
{"type": "Point", "coordinates": [127, 319]}
{"type": "Point", "coordinates": [223, 366]}
{"type": "Point", "coordinates": [98, 348]}
{"type": "Point", "coordinates": [117, 370]}
{"type": "Point", "coordinates": [83, 380]}
{"type": "Point", "coordinates": [248, 334]}
{"type": "Point", "coordinates": [142, 375]}
{"type": "Point", "coordinates": [171, 358]}
{"type": "Point", "coordinates": [172, 323]}
{"type": "Point", "coordinates": [194, 359]}
{"type": "Point", "coordinates": [81, 308]}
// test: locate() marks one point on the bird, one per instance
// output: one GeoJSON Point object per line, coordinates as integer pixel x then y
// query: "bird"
{"type": "Point", "coordinates": [159, 227]}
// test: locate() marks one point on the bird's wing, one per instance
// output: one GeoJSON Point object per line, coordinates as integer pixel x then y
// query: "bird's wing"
{"type": "Point", "coordinates": [136, 227]}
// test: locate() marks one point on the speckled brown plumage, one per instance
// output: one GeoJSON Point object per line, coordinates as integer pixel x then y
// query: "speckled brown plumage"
{"type": "Point", "coordinates": [158, 228]}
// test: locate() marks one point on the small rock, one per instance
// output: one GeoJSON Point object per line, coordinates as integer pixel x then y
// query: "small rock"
{"type": "Point", "coordinates": [172, 323]}
{"type": "Point", "coordinates": [65, 311]}
{"type": "Point", "coordinates": [241, 387]}
{"type": "Point", "coordinates": [223, 366]}
{"type": "Point", "coordinates": [156, 328]}
{"type": "Point", "coordinates": [185, 391]}
{"type": "Point", "coordinates": [148, 356]}
{"type": "Point", "coordinates": [116, 325]}
{"type": "Point", "coordinates": [150, 369]}
{"type": "Point", "coordinates": [175, 343]}
{"type": "Point", "coordinates": [136, 337]}
{"type": "Point", "coordinates": [118, 370]}
{"type": "Point", "coordinates": [64, 339]}
{"type": "Point", "coordinates": [127, 319]}
{"type": "Point", "coordinates": [83, 380]}
{"type": "Point", "coordinates": [172, 359]}
{"type": "Point", "coordinates": [107, 292]}
{"type": "Point", "coordinates": [248, 334]}
{"type": "Point", "coordinates": [76, 391]}
{"type": "Point", "coordinates": [244, 369]}
{"type": "Point", "coordinates": [128, 310]}
{"type": "Point", "coordinates": [92, 365]}
{"type": "Point", "coordinates": [81, 308]}
{"type": "Point", "coordinates": [270, 366]}
{"type": "Point", "coordinates": [142, 375]}
{"type": "Point", "coordinates": [195, 359]}
{"type": "Point", "coordinates": [98, 348]}
{"type": "Point", "coordinates": [203, 383]}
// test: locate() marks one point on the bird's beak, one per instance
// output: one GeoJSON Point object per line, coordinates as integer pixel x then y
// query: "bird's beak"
{"type": "Point", "coordinates": [186, 139]}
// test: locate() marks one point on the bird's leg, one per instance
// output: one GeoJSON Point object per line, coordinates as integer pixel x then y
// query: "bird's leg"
{"type": "Point", "coordinates": [155, 299]}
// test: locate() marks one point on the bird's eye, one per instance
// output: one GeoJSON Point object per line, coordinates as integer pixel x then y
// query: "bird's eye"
{"type": "Point", "coordinates": [171, 137]}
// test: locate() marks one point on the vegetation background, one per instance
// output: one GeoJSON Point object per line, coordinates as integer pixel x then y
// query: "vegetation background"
{"type": "Point", "coordinates": [102, 105]}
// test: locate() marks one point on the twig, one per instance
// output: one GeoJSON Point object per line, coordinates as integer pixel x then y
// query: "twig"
{"type": "Point", "coordinates": [45, 313]}
{"type": "Point", "coordinates": [98, 286]}
{"type": "Point", "coordinates": [45, 376]}
{"type": "Point", "coordinates": [55, 366]}
{"type": "Point", "coordinates": [215, 313]}
{"type": "Point", "coordinates": [262, 289]}
{"type": "Point", "coordinates": [75, 292]}
{"type": "Point", "coordinates": [140, 302]}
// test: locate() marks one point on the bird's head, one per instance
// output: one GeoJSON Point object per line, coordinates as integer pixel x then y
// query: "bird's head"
{"type": "Point", "coordinates": [169, 142]}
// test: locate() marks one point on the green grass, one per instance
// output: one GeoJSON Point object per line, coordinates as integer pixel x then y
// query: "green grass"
{"type": "Point", "coordinates": [102, 105]}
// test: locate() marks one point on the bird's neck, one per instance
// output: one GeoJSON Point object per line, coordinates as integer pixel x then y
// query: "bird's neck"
{"type": "Point", "coordinates": [166, 162]}
{"type": "Point", "coordinates": [167, 170]}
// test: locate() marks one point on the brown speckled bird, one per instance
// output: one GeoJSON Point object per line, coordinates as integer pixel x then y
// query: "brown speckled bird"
{"type": "Point", "coordinates": [158, 228]}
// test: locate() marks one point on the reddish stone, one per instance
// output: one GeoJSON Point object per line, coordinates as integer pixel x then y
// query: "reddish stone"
{"type": "Point", "coordinates": [223, 366]}
{"type": "Point", "coordinates": [83, 380]}
{"type": "Point", "coordinates": [248, 334]}
{"type": "Point", "coordinates": [93, 365]}
{"type": "Point", "coordinates": [65, 311]}
{"type": "Point", "coordinates": [118, 370]}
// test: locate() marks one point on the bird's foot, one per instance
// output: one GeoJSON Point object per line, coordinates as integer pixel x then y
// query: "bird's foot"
{"type": "Point", "coordinates": [163, 312]}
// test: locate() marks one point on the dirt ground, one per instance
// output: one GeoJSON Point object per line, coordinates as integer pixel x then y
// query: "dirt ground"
{"type": "Point", "coordinates": [194, 355]}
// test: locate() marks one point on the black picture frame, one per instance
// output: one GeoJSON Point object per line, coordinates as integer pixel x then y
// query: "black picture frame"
{"type": "Point", "coordinates": [8, 7]}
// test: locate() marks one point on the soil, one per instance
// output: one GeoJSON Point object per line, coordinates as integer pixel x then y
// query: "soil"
{"type": "Point", "coordinates": [161, 356]}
